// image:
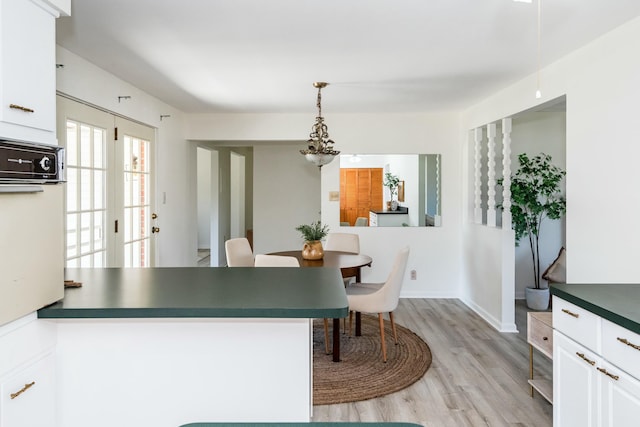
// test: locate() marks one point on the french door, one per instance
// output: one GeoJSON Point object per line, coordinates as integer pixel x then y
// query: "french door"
{"type": "Point", "coordinates": [109, 190]}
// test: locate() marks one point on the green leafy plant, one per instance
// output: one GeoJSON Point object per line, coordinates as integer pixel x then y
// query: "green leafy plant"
{"type": "Point", "coordinates": [315, 231]}
{"type": "Point", "coordinates": [391, 181]}
{"type": "Point", "coordinates": [536, 194]}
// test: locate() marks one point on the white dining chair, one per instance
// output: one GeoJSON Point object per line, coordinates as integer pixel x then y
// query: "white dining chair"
{"type": "Point", "coordinates": [263, 260]}
{"type": "Point", "coordinates": [380, 297]}
{"type": "Point", "coordinates": [343, 242]}
{"type": "Point", "coordinates": [239, 252]}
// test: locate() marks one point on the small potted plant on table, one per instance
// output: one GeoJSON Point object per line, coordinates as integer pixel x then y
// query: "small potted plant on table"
{"type": "Point", "coordinates": [312, 235]}
{"type": "Point", "coordinates": [535, 195]}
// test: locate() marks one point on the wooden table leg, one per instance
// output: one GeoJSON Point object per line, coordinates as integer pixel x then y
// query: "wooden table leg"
{"type": "Point", "coordinates": [358, 316]}
{"type": "Point", "coordinates": [336, 340]}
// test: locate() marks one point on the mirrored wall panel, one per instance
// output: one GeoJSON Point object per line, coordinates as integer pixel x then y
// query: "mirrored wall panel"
{"type": "Point", "coordinates": [390, 190]}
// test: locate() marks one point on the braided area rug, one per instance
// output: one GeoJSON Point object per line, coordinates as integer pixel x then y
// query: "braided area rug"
{"type": "Point", "coordinates": [361, 374]}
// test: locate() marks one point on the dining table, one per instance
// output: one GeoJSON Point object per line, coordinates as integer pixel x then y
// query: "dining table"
{"type": "Point", "coordinates": [350, 265]}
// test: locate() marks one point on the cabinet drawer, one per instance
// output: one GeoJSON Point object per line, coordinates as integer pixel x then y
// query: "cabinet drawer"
{"type": "Point", "coordinates": [540, 334]}
{"type": "Point", "coordinates": [28, 397]}
{"type": "Point", "coordinates": [577, 323]}
{"type": "Point", "coordinates": [621, 347]}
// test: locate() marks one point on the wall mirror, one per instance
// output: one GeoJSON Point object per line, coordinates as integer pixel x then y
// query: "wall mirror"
{"type": "Point", "coordinates": [366, 201]}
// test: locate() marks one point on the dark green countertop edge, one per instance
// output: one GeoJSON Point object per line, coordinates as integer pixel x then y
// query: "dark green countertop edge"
{"type": "Point", "coordinates": [196, 292]}
{"type": "Point", "coordinates": [310, 424]}
{"type": "Point", "coordinates": [138, 313]}
{"type": "Point", "coordinates": [561, 291]}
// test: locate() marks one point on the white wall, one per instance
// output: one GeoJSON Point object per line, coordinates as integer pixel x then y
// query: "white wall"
{"type": "Point", "coordinates": [175, 159]}
{"type": "Point", "coordinates": [204, 198]}
{"type": "Point", "coordinates": [602, 234]}
{"type": "Point", "coordinates": [286, 194]}
{"type": "Point", "coordinates": [435, 251]}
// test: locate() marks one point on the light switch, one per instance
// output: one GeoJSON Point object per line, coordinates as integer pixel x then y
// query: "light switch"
{"type": "Point", "coordinates": [334, 196]}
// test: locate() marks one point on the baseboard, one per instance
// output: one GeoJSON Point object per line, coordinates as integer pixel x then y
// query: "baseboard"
{"type": "Point", "coordinates": [430, 295]}
{"type": "Point", "coordinates": [490, 319]}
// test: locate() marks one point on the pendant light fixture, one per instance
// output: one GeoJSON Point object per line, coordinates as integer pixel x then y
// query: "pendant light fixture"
{"type": "Point", "coordinates": [320, 148]}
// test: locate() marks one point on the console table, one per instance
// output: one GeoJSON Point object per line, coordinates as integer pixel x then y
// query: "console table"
{"type": "Point", "coordinates": [540, 337]}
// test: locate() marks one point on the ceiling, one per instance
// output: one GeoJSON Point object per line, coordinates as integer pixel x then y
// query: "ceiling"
{"type": "Point", "coordinates": [378, 55]}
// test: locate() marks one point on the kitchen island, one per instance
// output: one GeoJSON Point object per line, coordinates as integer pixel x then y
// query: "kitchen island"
{"type": "Point", "coordinates": [170, 346]}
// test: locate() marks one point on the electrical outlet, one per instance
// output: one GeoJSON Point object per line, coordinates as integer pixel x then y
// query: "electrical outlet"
{"type": "Point", "coordinates": [414, 275]}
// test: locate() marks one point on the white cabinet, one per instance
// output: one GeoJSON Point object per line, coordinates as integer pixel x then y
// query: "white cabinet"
{"type": "Point", "coordinates": [575, 390]}
{"type": "Point", "coordinates": [28, 396]}
{"type": "Point", "coordinates": [27, 373]}
{"type": "Point", "coordinates": [27, 71]}
{"type": "Point", "coordinates": [620, 397]}
{"type": "Point", "coordinates": [594, 384]}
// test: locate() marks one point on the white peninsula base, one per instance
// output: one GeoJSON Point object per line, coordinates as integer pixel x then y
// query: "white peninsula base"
{"type": "Point", "coordinates": [169, 372]}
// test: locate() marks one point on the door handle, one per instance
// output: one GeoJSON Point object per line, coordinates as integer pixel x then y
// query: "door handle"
{"type": "Point", "coordinates": [155, 229]}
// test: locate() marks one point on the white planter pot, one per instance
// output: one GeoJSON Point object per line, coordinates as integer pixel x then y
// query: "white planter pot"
{"type": "Point", "coordinates": [537, 299]}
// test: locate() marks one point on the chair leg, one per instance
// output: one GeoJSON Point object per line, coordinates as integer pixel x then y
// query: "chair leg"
{"type": "Point", "coordinates": [326, 336]}
{"type": "Point", "coordinates": [393, 327]}
{"type": "Point", "coordinates": [384, 346]}
{"type": "Point", "coordinates": [350, 321]}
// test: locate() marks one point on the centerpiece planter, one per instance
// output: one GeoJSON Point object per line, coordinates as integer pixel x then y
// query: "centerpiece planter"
{"type": "Point", "coordinates": [312, 250]}
{"type": "Point", "coordinates": [312, 235]}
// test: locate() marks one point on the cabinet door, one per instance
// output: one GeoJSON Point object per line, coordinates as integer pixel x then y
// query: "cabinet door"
{"type": "Point", "coordinates": [620, 397]}
{"type": "Point", "coordinates": [28, 397]}
{"type": "Point", "coordinates": [360, 192]}
{"type": "Point", "coordinates": [575, 384]}
{"type": "Point", "coordinates": [27, 66]}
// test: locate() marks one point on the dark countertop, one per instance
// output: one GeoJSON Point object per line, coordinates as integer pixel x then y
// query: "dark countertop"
{"type": "Point", "coordinates": [618, 303]}
{"type": "Point", "coordinates": [400, 210]}
{"type": "Point", "coordinates": [310, 424]}
{"type": "Point", "coordinates": [274, 292]}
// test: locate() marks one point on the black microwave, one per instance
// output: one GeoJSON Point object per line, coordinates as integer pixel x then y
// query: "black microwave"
{"type": "Point", "coordinates": [28, 163]}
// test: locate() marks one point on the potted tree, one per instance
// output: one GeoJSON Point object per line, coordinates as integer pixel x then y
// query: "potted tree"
{"type": "Point", "coordinates": [312, 235]}
{"type": "Point", "coordinates": [535, 195]}
{"type": "Point", "coordinates": [391, 181]}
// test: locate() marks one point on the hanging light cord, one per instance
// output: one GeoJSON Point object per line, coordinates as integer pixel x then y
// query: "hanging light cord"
{"type": "Point", "coordinates": [538, 93]}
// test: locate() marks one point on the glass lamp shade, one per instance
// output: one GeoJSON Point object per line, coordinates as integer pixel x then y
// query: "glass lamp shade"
{"type": "Point", "coordinates": [319, 159]}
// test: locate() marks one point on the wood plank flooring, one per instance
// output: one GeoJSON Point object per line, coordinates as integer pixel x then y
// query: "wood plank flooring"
{"type": "Point", "coordinates": [478, 376]}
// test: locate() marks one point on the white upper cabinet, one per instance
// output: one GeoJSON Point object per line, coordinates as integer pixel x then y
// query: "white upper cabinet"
{"type": "Point", "coordinates": [27, 71]}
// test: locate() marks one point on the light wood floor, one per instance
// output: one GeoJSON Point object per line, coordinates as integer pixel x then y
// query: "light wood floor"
{"type": "Point", "coordinates": [478, 376]}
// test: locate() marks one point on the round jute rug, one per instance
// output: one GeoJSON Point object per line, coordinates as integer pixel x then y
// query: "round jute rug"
{"type": "Point", "coordinates": [361, 374]}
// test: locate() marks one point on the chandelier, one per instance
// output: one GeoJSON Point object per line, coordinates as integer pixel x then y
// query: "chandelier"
{"type": "Point", "coordinates": [319, 151]}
